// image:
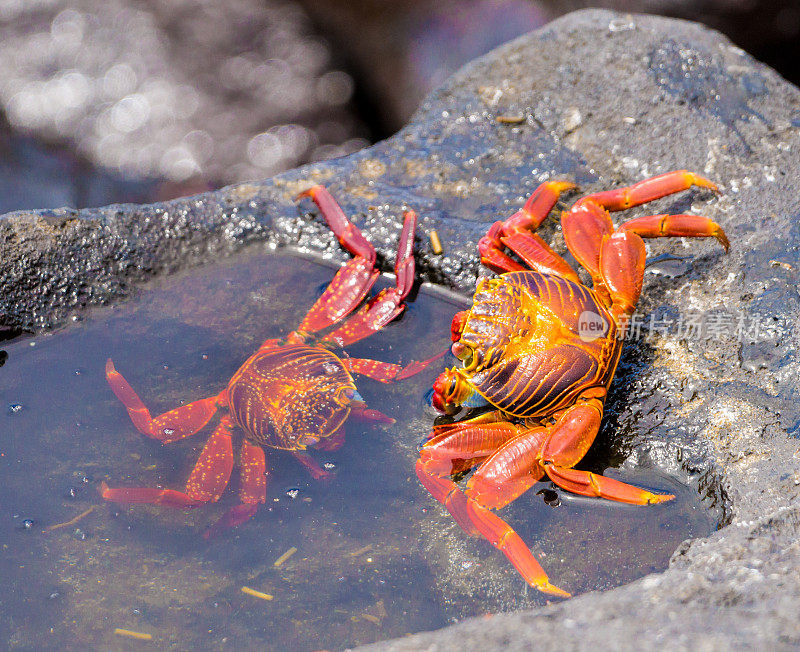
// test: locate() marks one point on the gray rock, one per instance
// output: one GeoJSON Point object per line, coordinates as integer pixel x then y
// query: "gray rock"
{"type": "Point", "coordinates": [603, 99]}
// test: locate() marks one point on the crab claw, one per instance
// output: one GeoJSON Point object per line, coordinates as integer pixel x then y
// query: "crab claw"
{"type": "Point", "coordinates": [443, 389]}
{"type": "Point", "coordinates": [457, 325]}
{"type": "Point", "coordinates": [438, 403]}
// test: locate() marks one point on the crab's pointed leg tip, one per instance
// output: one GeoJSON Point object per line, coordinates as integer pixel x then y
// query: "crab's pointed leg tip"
{"type": "Point", "coordinates": [723, 240]}
{"type": "Point", "coordinates": [654, 499]}
{"type": "Point", "coordinates": [563, 186]}
{"type": "Point", "coordinates": [705, 183]}
{"type": "Point", "coordinates": [553, 590]}
{"type": "Point", "coordinates": [310, 192]}
{"type": "Point", "coordinates": [103, 488]}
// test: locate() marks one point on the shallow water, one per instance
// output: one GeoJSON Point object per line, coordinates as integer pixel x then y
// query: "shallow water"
{"type": "Point", "coordinates": [376, 556]}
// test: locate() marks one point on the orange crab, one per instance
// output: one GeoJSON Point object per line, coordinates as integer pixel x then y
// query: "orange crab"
{"type": "Point", "coordinates": [292, 393]}
{"type": "Point", "coordinates": [541, 349]}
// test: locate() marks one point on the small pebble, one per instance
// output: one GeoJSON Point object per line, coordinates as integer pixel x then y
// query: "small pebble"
{"type": "Point", "coordinates": [621, 25]}
{"type": "Point", "coordinates": [510, 120]}
{"type": "Point", "coordinates": [292, 492]}
{"type": "Point", "coordinates": [436, 243]}
{"type": "Point", "coordinates": [572, 119]}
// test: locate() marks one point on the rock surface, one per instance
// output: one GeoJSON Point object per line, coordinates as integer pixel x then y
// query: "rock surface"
{"type": "Point", "coordinates": [603, 99]}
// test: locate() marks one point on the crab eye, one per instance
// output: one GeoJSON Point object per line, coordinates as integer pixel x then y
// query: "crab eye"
{"type": "Point", "coordinates": [462, 352]}
{"type": "Point", "coordinates": [345, 395]}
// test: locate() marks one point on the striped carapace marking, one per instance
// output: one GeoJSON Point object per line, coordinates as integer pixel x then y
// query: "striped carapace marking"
{"type": "Point", "coordinates": [528, 357]}
{"type": "Point", "coordinates": [282, 395]}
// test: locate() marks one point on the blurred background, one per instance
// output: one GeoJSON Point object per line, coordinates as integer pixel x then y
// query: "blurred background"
{"type": "Point", "coordinates": [105, 101]}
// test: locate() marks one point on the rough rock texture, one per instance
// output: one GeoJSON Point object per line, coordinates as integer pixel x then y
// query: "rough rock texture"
{"type": "Point", "coordinates": [603, 99]}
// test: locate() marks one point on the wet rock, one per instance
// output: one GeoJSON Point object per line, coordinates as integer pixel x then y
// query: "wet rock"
{"type": "Point", "coordinates": [652, 95]}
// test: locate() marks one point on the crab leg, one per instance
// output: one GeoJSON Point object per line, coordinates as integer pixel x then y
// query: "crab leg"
{"type": "Point", "coordinates": [455, 449]}
{"type": "Point", "coordinates": [584, 226]}
{"type": "Point", "coordinates": [388, 303]}
{"type": "Point", "coordinates": [252, 491]}
{"type": "Point", "coordinates": [520, 461]}
{"type": "Point", "coordinates": [476, 520]}
{"type": "Point", "coordinates": [352, 282]}
{"type": "Point", "coordinates": [622, 255]}
{"type": "Point", "coordinates": [622, 260]}
{"type": "Point", "coordinates": [587, 222]}
{"type": "Point", "coordinates": [537, 255]}
{"type": "Point", "coordinates": [336, 440]}
{"type": "Point", "coordinates": [512, 461]}
{"type": "Point", "coordinates": [647, 190]}
{"type": "Point", "coordinates": [252, 461]}
{"type": "Point", "coordinates": [570, 439]}
{"type": "Point", "coordinates": [207, 481]}
{"type": "Point", "coordinates": [502, 536]}
{"type": "Point", "coordinates": [311, 465]}
{"type": "Point", "coordinates": [447, 492]}
{"type": "Point", "coordinates": [170, 426]}
{"type": "Point", "coordinates": [686, 226]}
{"type": "Point", "coordinates": [387, 372]}
{"type": "Point", "coordinates": [585, 483]}
{"type": "Point", "coordinates": [510, 471]}
{"type": "Point", "coordinates": [365, 415]}
{"type": "Point", "coordinates": [517, 233]}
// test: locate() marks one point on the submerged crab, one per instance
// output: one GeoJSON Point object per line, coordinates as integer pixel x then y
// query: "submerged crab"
{"type": "Point", "coordinates": [541, 349]}
{"type": "Point", "coordinates": [292, 393]}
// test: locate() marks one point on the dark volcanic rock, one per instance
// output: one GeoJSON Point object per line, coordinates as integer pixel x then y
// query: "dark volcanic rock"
{"type": "Point", "coordinates": [603, 99]}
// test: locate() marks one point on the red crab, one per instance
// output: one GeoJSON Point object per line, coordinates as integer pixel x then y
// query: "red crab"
{"type": "Point", "coordinates": [541, 349]}
{"type": "Point", "coordinates": [292, 393]}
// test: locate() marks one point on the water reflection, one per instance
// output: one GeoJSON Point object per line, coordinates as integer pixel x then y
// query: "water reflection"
{"type": "Point", "coordinates": [177, 91]}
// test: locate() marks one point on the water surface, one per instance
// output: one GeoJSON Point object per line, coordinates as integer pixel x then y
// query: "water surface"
{"type": "Point", "coordinates": [376, 556]}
